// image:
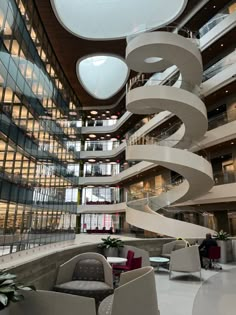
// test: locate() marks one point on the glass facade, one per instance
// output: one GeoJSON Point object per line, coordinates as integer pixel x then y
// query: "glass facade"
{"type": "Point", "coordinates": [39, 135]}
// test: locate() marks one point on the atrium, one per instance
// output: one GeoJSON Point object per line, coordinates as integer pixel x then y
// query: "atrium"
{"type": "Point", "coordinates": [118, 118]}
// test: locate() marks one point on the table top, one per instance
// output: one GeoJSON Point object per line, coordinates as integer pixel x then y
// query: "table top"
{"type": "Point", "coordinates": [116, 260]}
{"type": "Point", "coordinates": [159, 259]}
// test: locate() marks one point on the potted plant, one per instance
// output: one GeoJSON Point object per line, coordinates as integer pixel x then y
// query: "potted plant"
{"type": "Point", "coordinates": [110, 246]}
{"type": "Point", "coordinates": [10, 290]}
{"type": "Point", "coordinates": [225, 246]}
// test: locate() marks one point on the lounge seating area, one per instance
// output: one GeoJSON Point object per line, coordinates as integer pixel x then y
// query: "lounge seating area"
{"type": "Point", "coordinates": [88, 283]}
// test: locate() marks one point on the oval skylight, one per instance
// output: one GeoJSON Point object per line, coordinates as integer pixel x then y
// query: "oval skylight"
{"type": "Point", "coordinates": [102, 76]}
{"type": "Point", "coordinates": [107, 19]}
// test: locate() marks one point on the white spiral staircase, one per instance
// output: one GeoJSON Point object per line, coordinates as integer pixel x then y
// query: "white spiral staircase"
{"type": "Point", "coordinates": [154, 52]}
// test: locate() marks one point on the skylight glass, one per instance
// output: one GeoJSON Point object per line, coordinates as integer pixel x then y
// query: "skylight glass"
{"type": "Point", "coordinates": [113, 19]}
{"type": "Point", "coordinates": [102, 76]}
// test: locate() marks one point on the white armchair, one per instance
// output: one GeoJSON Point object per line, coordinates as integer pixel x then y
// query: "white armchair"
{"type": "Point", "coordinates": [136, 295]}
{"type": "Point", "coordinates": [49, 303]}
{"type": "Point", "coordinates": [185, 260]}
{"type": "Point", "coordinates": [171, 246]}
{"type": "Point", "coordinates": [87, 274]}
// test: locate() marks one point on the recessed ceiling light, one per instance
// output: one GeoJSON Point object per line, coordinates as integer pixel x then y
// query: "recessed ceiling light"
{"type": "Point", "coordinates": [93, 112]}
{"type": "Point", "coordinates": [226, 91]}
{"type": "Point", "coordinates": [92, 160]}
{"type": "Point", "coordinates": [114, 117]}
{"type": "Point", "coordinates": [107, 111]}
{"type": "Point", "coordinates": [217, 109]}
{"type": "Point", "coordinates": [108, 135]}
{"type": "Point", "coordinates": [72, 136]}
{"type": "Point", "coordinates": [88, 116]}
{"type": "Point", "coordinates": [221, 45]}
{"type": "Point", "coordinates": [232, 142]}
{"type": "Point", "coordinates": [103, 114]}
{"type": "Point", "coordinates": [108, 118]}
{"type": "Point", "coordinates": [87, 139]}
{"type": "Point", "coordinates": [90, 186]}
{"type": "Point", "coordinates": [92, 136]}
{"type": "Point", "coordinates": [73, 113]}
{"type": "Point", "coordinates": [102, 138]}
{"type": "Point", "coordinates": [107, 160]}
{"type": "Point", "coordinates": [112, 163]}
{"type": "Point", "coordinates": [113, 139]}
{"type": "Point", "coordinates": [214, 6]}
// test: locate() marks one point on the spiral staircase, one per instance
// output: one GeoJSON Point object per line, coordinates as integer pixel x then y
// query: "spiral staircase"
{"type": "Point", "coordinates": [155, 52]}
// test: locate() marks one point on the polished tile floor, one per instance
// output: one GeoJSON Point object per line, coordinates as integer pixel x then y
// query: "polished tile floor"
{"type": "Point", "coordinates": [185, 295]}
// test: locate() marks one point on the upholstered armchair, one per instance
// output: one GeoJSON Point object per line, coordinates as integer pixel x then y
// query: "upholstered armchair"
{"type": "Point", "coordinates": [136, 295]}
{"type": "Point", "coordinates": [172, 246]}
{"type": "Point", "coordinates": [87, 274]}
{"type": "Point", "coordinates": [49, 303]}
{"type": "Point", "coordinates": [185, 260]}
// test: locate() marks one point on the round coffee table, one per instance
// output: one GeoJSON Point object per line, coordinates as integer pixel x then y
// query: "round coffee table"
{"type": "Point", "coordinates": [159, 261]}
{"type": "Point", "coordinates": [116, 260]}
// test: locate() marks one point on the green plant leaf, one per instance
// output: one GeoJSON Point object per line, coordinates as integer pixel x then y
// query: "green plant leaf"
{"type": "Point", "coordinates": [7, 276]}
{"type": "Point", "coordinates": [3, 299]}
{"type": "Point", "coordinates": [7, 289]}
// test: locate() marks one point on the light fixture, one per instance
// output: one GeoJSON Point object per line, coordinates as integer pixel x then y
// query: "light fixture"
{"type": "Point", "coordinates": [232, 142]}
{"type": "Point", "coordinates": [107, 160]}
{"type": "Point", "coordinates": [91, 160]}
{"type": "Point", "coordinates": [73, 113]}
{"type": "Point", "coordinates": [90, 186]}
{"type": "Point", "coordinates": [114, 117]}
{"type": "Point", "coordinates": [152, 59]}
{"type": "Point", "coordinates": [88, 116]}
{"type": "Point", "coordinates": [102, 138]}
{"type": "Point", "coordinates": [93, 112]}
{"type": "Point", "coordinates": [112, 163]}
{"type": "Point", "coordinates": [107, 111]}
{"type": "Point", "coordinates": [103, 115]}
{"type": "Point", "coordinates": [108, 135]}
{"type": "Point", "coordinates": [107, 118]}
{"type": "Point", "coordinates": [221, 45]}
{"type": "Point", "coordinates": [226, 91]}
{"type": "Point", "coordinates": [72, 136]}
{"type": "Point", "coordinates": [113, 139]}
{"type": "Point", "coordinates": [92, 136]}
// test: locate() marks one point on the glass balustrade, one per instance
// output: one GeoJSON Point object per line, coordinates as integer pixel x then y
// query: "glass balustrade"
{"type": "Point", "coordinates": [222, 64]}
{"type": "Point", "coordinates": [101, 145]}
{"type": "Point", "coordinates": [215, 20]}
{"type": "Point", "coordinates": [100, 195]}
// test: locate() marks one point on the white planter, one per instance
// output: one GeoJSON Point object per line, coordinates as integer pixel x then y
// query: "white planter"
{"type": "Point", "coordinates": [225, 251]}
{"type": "Point", "coordinates": [5, 311]}
{"type": "Point", "coordinates": [111, 252]}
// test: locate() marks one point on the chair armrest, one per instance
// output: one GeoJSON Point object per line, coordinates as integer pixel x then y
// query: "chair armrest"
{"type": "Point", "coordinates": [49, 302]}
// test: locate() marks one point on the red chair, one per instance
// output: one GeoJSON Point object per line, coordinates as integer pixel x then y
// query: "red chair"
{"type": "Point", "coordinates": [127, 266]}
{"type": "Point", "coordinates": [136, 263]}
{"type": "Point", "coordinates": [213, 256]}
